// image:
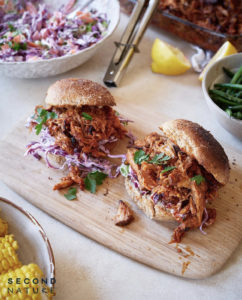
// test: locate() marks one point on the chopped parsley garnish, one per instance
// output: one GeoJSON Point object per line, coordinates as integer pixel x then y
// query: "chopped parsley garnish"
{"type": "Point", "coordinates": [42, 117]}
{"type": "Point", "coordinates": [198, 179]}
{"type": "Point", "coordinates": [124, 170]}
{"type": "Point", "coordinates": [105, 24]}
{"type": "Point", "coordinates": [117, 113]}
{"type": "Point", "coordinates": [89, 27]}
{"type": "Point", "coordinates": [87, 116]}
{"type": "Point", "coordinates": [168, 169]}
{"type": "Point", "coordinates": [159, 159]}
{"type": "Point", "coordinates": [11, 27]}
{"type": "Point", "coordinates": [140, 156]}
{"type": "Point", "coordinates": [71, 194]}
{"type": "Point", "coordinates": [93, 179]}
{"type": "Point", "coordinates": [19, 46]}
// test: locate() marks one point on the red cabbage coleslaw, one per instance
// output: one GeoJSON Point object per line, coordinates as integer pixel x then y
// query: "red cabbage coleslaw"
{"type": "Point", "coordinates": [30, 30]}
{"type": "Point", "coordinates": [86, 164]}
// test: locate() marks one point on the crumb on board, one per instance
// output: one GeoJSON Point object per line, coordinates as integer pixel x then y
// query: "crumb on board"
{"type": "Point", "coordinates": [185, 266]}
{"type": "Point", "coordinates": [106, 193]}
{"type": "Point", "coordinates": [185, 252]}
{"type": "Point", "coordinates": [124, 214]}
{"type": "Point", "coordinates": [50, 178]}
{"type": "Point", "coordinates": [189, 250]}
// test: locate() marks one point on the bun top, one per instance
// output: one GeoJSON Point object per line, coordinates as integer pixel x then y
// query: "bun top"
{"type": "Point", "coordinates": [78, 92]}
{"type": "Point", "coordinates": [199, 143]}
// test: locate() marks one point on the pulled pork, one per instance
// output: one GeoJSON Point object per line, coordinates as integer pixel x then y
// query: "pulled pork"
{"type": "Point", "coordinates": [95, 137]}
{"type": "Point", "coordinates": [217, 15]}
{"type": "Point", "coordinates": [175, 190]}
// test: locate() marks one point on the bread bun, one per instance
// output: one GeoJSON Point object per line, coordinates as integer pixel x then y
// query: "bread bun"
{"type": "Point", "coordinates": [78, 92]}
{"type": "Point", "coordinates": [145, 202]}
{"type": "Point", "coordinates": [199, 143]}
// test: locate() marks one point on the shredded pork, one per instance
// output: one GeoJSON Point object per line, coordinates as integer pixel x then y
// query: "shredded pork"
{"type": "Point", "coordinates": [74, 132]}
{"type": "Point", "coordinates": [217, 15]}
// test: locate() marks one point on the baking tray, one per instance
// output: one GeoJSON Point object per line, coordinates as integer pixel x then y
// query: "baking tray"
{"type": "Point", "coordinates": [188, 31]}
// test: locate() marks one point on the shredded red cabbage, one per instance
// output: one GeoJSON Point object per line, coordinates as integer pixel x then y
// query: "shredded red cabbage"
{"type": "Point", "coordinates": [86, 164]}
{"type": "Point", "coordinates": [134, 179]}
{"type": "Point", "coordinates": [204, 221]}
{"type": "Point", "coordinates": [30, 30]}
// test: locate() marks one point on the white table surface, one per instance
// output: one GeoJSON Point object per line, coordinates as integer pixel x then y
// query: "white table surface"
{"type": "Point", "coordinates": [85, 269]}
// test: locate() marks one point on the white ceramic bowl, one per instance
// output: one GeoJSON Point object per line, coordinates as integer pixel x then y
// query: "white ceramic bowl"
{"type": "Point", "coordinates": [214, 75]}
{"type": "Point", "coordinates": [54, 66]}
{"type": "Point", "coordinates": [34, 245]}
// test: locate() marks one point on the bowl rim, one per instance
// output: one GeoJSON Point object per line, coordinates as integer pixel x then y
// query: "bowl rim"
{"type": "Point", "coordinates": [205, 89]}
{"type": "Point", "coordinates": [68, 55]}
{"type": "Point", "coordinates": [42, 233]}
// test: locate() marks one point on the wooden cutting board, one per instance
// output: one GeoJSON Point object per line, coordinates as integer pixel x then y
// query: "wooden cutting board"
{"type": "Point", "coordinates": [146, 241]}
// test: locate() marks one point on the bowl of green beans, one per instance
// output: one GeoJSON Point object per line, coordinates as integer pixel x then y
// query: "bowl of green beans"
{"type": "Point", "coordinates": [222, 88]}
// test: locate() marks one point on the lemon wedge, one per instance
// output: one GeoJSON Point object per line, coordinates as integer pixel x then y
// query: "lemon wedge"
{"type": "Point", "coordinates": [225, 50]}
{"type": "Point", "coordinates": [167, 59]}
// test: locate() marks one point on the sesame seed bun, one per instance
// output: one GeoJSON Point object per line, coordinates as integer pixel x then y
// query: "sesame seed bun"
{"type": "Point", "coordinates": [199, 143]}
{"type": "Point", "coordinates": [78, 92]}
{"type": "Point", "coordinates": [153, 211]}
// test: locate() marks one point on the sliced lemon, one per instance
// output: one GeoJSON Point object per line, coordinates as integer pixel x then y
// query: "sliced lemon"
{"type": "Point", "coordinates": [225, 50]}
{"type": "Point", "coordinates": [167, 59]}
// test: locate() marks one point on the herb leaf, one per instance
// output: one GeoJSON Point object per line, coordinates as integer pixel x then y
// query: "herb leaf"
{"type": "Point", "coordinates": [93, 179]}
{"type": "Point", "coordinates": [11, 27]}
{"type": "Point", "coordinates": [86, 116]}
{"type": "Point", "coordinates": [168, 169]}
{"type": "Point", "coordinates": [42, 117]}
{"type": "Point", "coordinates": [159, 159]}
{"type": "Point", "coordinates": [124, 170]}
{"type": "Point", "coordinates": [18, 46]}
{"type": "Point", "coordinates": [89, 27]}
{"type": "Point", "coordinates": [140, 156]}
{"type": "Point", "coordinates": [71, 194]}
{"type": "Point", "coordinates": [198, 179]}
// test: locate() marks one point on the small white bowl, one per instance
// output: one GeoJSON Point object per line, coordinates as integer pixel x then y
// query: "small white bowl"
{"type": "Point", "coordinates": [54, 66]}
{"type": "Point", "coordinates": [34, 245]}
{"type": "Point", "coordinates": [214, 75]}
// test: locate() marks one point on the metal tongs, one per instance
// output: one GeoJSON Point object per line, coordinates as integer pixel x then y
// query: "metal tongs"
{"type": "Point", "coordinates": [129, 42]}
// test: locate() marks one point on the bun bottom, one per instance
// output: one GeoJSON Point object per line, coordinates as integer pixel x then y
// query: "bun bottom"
{"type": "Point", "coordinates": [153, 211]}
{"type": "Point", "coordinates": [56, 160]}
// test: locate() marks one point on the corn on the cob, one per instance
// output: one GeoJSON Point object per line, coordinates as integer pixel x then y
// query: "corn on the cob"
{"type": "Point", "coordinates": [29, 286]}
{"type": "Point", "coordinates": [3, 228]}
{"type": "Point", "coordinates": [8, 256]}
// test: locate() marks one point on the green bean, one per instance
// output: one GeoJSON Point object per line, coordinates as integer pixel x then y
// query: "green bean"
{"type": "Point", "coordinates": [236, 78]}
{"type": "Point", "coordinates": [236, 107]}
{"type": "Point", "coordinates": [226, 96]}
{"type": "Point", "coordinates": [229, 111]}
{"type": "Point", "coordinates": [228, 72]}
{"type": "Point", "coordinates": [217, 98]}
{"type": "Point", "coordinates": [229, 85]}
{"type": "Point", "coordinates": [237, 115]}
{"type": "Point", "coordinates": [239, 94]}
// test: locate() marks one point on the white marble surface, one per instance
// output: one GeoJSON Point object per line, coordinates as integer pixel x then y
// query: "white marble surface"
{"type": "Point", "coordinates": [85, 269]}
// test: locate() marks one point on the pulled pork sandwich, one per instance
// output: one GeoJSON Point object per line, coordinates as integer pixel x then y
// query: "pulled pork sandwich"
{"type": "Point", "coordinates": [175, 174]}
{"type": "Point", "coordinates": [77, 130]}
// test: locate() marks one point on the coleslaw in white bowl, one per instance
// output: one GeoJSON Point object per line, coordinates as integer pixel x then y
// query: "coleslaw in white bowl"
{"type": "Point", "coordinates": [45, 38]}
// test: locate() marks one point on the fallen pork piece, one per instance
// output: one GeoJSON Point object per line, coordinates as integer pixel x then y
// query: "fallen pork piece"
{"type": "Point", "coordinates": [124, 214]}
